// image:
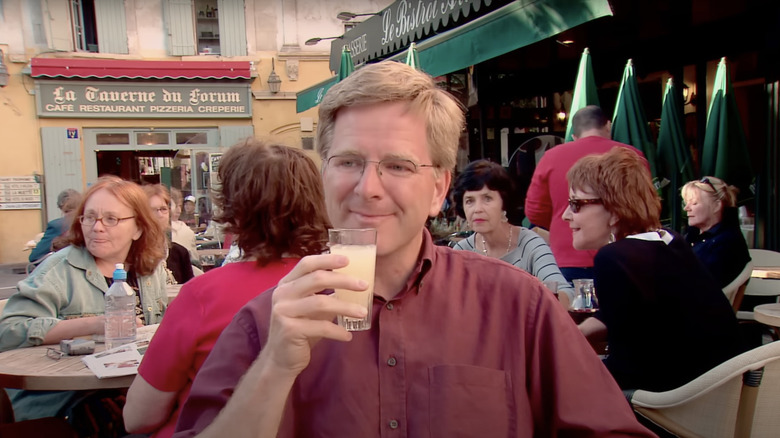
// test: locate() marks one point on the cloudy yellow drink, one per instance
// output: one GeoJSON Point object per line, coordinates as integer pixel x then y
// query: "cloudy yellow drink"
{"type": "Point", "coordinates": [360, 247]}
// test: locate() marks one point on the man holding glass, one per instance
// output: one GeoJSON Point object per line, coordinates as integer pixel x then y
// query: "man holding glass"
{"type": "Point", "coordinates": [459, 344]}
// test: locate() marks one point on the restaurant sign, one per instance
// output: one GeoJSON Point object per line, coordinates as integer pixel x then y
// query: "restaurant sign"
{"type": "Point", "coordinates": [404, 21]}
{"type": "Point", "coordinates": [119, 100]}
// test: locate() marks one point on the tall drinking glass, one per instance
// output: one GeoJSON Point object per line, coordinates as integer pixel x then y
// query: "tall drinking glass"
{"type": "Point", "coordinates": [586, 295]}
{"type": "Point", "coordinates": [359, 245]}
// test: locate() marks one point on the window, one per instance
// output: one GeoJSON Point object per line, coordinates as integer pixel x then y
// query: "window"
{"type": "Point", "coordinates": [99, 26]}
{"type": "Point", "coordinates": [82, 13]}
{"type": "Point", "coordinates": [206, 27]}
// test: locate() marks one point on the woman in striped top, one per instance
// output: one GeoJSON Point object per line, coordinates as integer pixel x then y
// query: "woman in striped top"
{"type": "Point", "coordinates": [483, 193]}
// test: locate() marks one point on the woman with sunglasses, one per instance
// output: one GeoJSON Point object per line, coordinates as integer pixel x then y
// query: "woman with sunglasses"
{"type": "Point", "coordinates": [63, 297]}
{"type": "Point", "coordinates": [665, 319]}
{"type": "Point", "coordinates": [483, 193]}
{"type": "Point", "coordinates": [713, 228]}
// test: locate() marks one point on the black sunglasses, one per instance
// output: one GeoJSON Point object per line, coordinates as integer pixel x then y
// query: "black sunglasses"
{"type": "Point", "coordinates": [707, 181]}
{"type": "Point", "coordinates": [576, 204]}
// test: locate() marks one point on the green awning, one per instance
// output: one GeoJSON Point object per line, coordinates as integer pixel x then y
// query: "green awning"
{"type": "Point", "coordinates": [516, 25]}
{"type": "Point", "coordinates": [313, 95]}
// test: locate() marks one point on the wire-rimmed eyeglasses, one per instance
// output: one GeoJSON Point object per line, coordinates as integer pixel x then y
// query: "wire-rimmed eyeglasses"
{"type": "Point", "coordinates": [355, 164]}
{"type": "Point", "coordinates": [576, 204]}
{"type": "Point", "coordinates": [108, 221]}
{"type": "Point", "coordinates": [54, 354]}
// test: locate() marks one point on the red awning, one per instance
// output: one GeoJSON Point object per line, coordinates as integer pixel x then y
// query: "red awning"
{"type": "Point", "coordinates": [130, 69]}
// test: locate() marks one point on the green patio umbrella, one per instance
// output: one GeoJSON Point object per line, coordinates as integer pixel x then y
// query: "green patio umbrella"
{"type": "Point", "coordinates": [629, 124]}
{"type": "Point", "coordinates": [585, 92]}
{"type": "Point", "coordinates": [412, 57]}
{"type": "Point", "coordinates": [347, 66]}
{"type": "Point", "coordinates": [724, 153]}
{"type": "Point", "coordinates": [674, 157]}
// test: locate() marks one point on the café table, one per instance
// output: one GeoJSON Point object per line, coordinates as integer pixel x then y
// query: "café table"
{"type": "Point", "coordinates": [768, 314]}
{"type": "Point", "coordinates": [30, 368]}
{"type": "Point", "coordinates": [172, 290]}
{"type": "Point", "coordinates": [772, 272]}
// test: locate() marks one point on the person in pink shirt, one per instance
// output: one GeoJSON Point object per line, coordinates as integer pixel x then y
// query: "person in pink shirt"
{"type": "Point", "coordinates": [548, 194]}
{"type": "Point", "coordinates": [271, 198]}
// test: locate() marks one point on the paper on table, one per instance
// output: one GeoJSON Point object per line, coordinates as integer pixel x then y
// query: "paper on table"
{"type": "Point", "coordinates": [123, 360]}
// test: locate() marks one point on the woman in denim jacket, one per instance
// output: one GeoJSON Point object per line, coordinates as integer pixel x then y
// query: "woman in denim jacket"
{"type": "Point", "coordinates": [64, 297]}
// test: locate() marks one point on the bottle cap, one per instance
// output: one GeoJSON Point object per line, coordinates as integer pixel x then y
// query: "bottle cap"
{"type": "Point", "coordinates": [119, 272]}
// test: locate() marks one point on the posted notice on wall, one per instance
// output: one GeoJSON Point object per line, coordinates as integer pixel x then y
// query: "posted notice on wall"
{"type": "Point", "coordinates": [19, 193]}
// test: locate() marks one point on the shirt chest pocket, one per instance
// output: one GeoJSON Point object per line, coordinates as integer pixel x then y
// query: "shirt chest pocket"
{"type": "Point", "coordinates": [469, 401]}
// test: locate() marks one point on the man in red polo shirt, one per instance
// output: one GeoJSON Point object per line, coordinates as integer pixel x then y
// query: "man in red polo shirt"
{"type": "Point", "coordinates": [459, 345]}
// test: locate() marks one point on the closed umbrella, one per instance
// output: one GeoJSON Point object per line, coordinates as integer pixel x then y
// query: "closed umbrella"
{"type": "Point", "coordinates": [725, 154]}
{"type": "Point", "coordinates": [347, 66]}
{"type": "Point", "coordinates": [585, 92]}
{"type": "Point", "coordinates": [629, 124]}
{"type": "Point", "coordinates": [674, 157]}
{"type": "Point", "coordinates": [412, 57]}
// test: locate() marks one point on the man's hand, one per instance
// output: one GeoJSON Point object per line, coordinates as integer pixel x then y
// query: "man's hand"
{"type": "Point", "coordinates": [301, 315]}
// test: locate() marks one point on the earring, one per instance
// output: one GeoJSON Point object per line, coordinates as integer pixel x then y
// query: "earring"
{"type": "Point", "coordinates": [612, 238]}
{"type": "Point", "coordinates": [504, 219]}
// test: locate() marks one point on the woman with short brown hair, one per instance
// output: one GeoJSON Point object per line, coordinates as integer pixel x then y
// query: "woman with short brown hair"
{"type": "Point", "coordinates": [271, 199]}
{"type": "Point", "coordinates": [665, 319]}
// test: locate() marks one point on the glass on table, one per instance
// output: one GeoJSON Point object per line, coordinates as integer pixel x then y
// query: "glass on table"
{"type": "Point", "coordinates": [584, 295]}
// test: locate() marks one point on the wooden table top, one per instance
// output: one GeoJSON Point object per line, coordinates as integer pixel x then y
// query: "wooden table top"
{"type": "Point", "coordinates": [768, 314]}
{"type": "Point", "coordinates": [766, 272]}
{"type": "Point", "coordinates": [30, 368]}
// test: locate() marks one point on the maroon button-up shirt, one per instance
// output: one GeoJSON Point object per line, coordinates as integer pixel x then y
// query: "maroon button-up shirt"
{"type": "Point", "coordinates": [471, 347]}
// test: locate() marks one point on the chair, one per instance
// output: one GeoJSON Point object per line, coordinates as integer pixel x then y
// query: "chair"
{"type": "Point", "coordinates": [34, 264]}
{"type": "Point", "coordinates": [735, 290]}
{"type": "Point", "coordinates": [761, 286]}
{"type": "Point", "coordinates": [738, 398]}
{"type": "Point", "coordinates": [48, 427]}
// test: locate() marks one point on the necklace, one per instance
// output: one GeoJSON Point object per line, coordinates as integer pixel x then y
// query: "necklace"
{"type": "Point", "coordinates": [508, 244]}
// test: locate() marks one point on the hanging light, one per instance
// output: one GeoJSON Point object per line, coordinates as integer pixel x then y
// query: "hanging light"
{"type": "Point", "coordinates": [346, 16]}
{"type": "Point", "coordinates": [315, 40]}
{"type": "Point", "coordinates": [274, 81]}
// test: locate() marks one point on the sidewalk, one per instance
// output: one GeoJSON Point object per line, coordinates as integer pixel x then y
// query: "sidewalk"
{"type": "Point", "coordinates": [10, 274]}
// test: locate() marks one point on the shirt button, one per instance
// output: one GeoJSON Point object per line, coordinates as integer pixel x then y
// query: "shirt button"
{"type": "Point", "coordinates": [391, 361]}
{"type": "Point", "coordinates": [389, 306]}
{"type": "Point", "coordinates": [393, 424]}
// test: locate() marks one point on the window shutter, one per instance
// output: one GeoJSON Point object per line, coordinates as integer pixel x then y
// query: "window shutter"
{"type": "Point", "coordinates": [111, 26]}
{"type": "Point", "coordinates": [61, 165]}
{"type": "Point", "coordinates": [232, 27]}
{"type": "Point", "coordinates": [230, 135]}
{"type": "Point", "coordinates": [179, 20]}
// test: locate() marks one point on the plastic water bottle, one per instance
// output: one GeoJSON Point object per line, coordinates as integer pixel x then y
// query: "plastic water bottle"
{"type": "Point", "coordinates": [120, 310]}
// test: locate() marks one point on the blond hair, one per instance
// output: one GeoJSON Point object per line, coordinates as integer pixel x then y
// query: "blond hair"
{"type": "Point", "coordinates": [391, 81]}
{"type": "Point", "coordinates": [715, 188]}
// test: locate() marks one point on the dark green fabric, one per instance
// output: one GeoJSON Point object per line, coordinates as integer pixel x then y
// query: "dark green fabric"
{"type": "Point", "coordinates": [312, 96]}
{"type": "Point", "coordinates": [725, 154]}
{"type": "Point", "coordinates": [412, 57]}
{"type": "Point", "coordinates": [585, 91]}
{"type": "Point", "coordinates": [629, 123]}
{"type": "Point", "coordinates": [347, 66]}
{"type": "Point", "coordinates": [674, 156]}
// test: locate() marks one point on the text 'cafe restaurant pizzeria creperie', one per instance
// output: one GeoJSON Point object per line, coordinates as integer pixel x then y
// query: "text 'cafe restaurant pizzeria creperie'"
{"type": "Point", "coordinates": [146, 121]}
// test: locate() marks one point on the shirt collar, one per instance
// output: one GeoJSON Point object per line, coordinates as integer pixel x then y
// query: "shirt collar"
{"type": "Point", "coordinates": [423, 265]}
{"type": "Point", "coordinates": [654, 236]}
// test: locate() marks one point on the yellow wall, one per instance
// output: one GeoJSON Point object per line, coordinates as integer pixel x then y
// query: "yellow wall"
{"type": "Point", "coordinates": [21, 156]}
